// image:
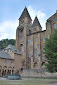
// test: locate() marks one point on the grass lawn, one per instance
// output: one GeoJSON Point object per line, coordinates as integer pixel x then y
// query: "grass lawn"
{"type": "Point", "coordinates": [29, 82]}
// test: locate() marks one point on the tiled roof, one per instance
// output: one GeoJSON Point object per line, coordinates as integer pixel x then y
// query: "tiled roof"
{"type": "Point", "coordinates": [5, 55]}
{"type": "Point", "coordinates": [12, 47]}
{"type": "Point", "coordinates": [25, 13]}
{"type": "Point", "coordinates": [36, 22]}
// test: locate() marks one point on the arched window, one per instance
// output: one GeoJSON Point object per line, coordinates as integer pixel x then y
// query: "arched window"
{"type": "Point", "coordinates": [5, 62]}
{"type": "Point", "coordinates": [54, 26]}
{"type": "Point", "coordinates": [21, 46]}
{"type": "Point", "coordinates": [36, 52]}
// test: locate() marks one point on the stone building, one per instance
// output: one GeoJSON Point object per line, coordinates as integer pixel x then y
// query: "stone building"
{"type": "Point", "coordinates": [30, 41]}
{"type": "Point", "coordinates": [10, 61]}
{"type": "Point", "coordinates": [51, 24]}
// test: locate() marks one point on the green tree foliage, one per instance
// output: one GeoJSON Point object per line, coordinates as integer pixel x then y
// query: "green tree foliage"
{"type": "Point", "coordinates": [51, 52]}
{"type": "Point", "coordinates": [5, 42]}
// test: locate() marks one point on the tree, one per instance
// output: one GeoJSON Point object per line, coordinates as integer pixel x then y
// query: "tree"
{"type": "Point", "coordinates": [50, 52]}
{"type": "Point", "coordinates": [5, 42]}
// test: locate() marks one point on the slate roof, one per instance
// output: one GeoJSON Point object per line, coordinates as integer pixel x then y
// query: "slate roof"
{"type": "Point", "coordinates": [36, 22]}
{"type": "Point", "coordinates": [12, 47]}
{"type": "Point", "coordinates": [5, 55]}
{"type": "Point", "coordinates": [25, 13]}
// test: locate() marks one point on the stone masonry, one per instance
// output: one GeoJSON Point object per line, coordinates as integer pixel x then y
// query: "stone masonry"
{"type": "Point", "coordinates": [30, 39]}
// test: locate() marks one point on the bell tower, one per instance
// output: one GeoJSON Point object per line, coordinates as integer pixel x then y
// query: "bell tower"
{"type": "Point", "coordinates": [25, 23]}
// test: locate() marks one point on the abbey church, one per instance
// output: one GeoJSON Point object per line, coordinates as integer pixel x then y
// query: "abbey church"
{"type": "Point", "coordinates": [30, 39]}
{"type": "Point", "coordinates": [30, 43]}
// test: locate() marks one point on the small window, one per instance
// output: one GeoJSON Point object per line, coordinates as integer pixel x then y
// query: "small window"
{"type": "Point", "coordinates": [43, 39]}
{"type": "Point", "coordinates": [12, 62]}
{"type": "Point", "coordinates": [36, 39]}
{"type": "Point", "coordinates": [29, 53]}
{"type": "Point", "coordinates": [30, 41]}
{"type": "Point", "coordinates": [21, 47]}
{"type": "Point", "coordinates": [5, 62]}
{"type": "Point", "coordinates": [9, 49]}
{"type": "Point", "coordinates": [36, 52]}
{"type": "Point", "coordinates": [54, 26]}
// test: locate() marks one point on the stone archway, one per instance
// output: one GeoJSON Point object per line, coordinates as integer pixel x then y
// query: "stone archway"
{"type": "Point", "coordinates": [13, 70]}
{"type": "Point", "coordinates": [4, 71]}
{"type": "Point", "coordinates": [10, 70]}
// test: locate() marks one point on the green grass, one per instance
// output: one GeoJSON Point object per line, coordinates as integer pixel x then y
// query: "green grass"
{"type": "Point", "coordinates": [29, 82]}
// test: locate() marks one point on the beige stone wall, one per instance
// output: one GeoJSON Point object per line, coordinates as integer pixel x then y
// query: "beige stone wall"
{"type": "Point", "coordinates": [38, 74]}
{"type": "Point", "coordinates": [2, 63]}
{"type": "Point", "coordinates": [5, 67]}
{"type": "Point", "coordinates": [11, 65]}
{"type": "Point", "coordinates": [32, 48]}
{"type": "Point", "coordinates": [17, 62]}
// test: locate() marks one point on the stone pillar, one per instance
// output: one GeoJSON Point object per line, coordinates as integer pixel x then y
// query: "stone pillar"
{"type": "Point", "coordinates": [11, 72]}
{"type": "Point", "coordinates": [1, 72]}
{"type": "Point", "coordinates": [6, 72]}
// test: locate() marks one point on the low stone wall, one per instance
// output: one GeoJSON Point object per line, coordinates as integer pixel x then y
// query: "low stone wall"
{"type": "Point", "coordinates": [38, 73]}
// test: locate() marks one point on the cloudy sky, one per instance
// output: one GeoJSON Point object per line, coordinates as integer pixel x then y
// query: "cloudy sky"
{"type": "Point", "coordinates": [10, 11]}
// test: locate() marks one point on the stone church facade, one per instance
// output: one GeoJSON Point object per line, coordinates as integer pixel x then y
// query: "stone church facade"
{"type": "Point", "coordinates": [30, 39]}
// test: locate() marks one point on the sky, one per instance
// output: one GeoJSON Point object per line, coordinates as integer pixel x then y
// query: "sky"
{"type": "Point", "coordinates": [10, 11]}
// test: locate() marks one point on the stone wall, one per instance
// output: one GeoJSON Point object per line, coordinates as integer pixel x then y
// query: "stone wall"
{"type": "Point", "coordinates": [38, 73]}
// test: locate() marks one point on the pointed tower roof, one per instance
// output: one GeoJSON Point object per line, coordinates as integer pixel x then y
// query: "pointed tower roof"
{"type": "Point", "coordinates": [36, 22]}
{"type": "Point", "coordinates": [25, 13]}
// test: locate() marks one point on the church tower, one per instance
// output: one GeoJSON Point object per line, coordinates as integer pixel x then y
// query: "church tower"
{"type": "Point", "coordinates": [25, 23]}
